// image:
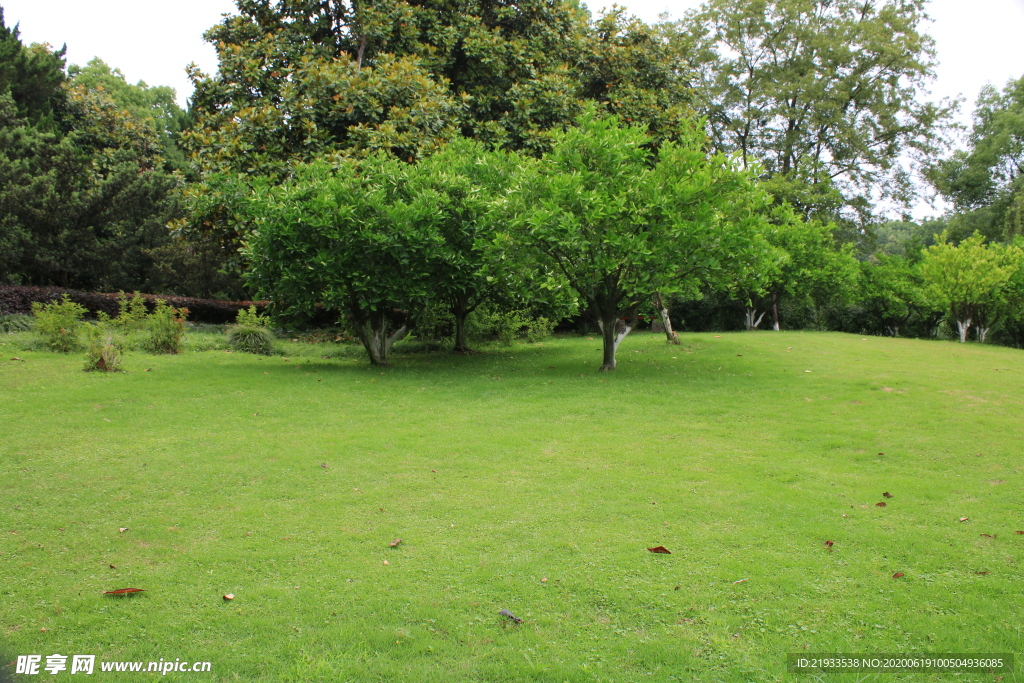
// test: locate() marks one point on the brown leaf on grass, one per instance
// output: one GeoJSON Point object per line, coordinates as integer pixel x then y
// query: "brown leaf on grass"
{"type": "Point", "coordinates": [898, 575]}
{"type": "Point", "coordinates": [988, 535]}
{"type": "Point", "coordinates": [660, 549]}
{"type": "Point", "coordinates": [887, 494]}
{"type": "Point", "coordinates": [881, 453]}
{"type": "Point", "coordinates": [15, 358]}
{"type": "Point", "coordinates": [125, 591]}
{"type": "Point", "coordinates": [394, 543]}
{"type": "Point", "coordinates": [1019, 533]}
{"type": "Point", "coordinates": [981, 573]}
{"type": "Point", "coordinates": [113, 567]}
{"type": "Point", "coordinates": [122, 529]}
{"type": "Point", "coordinates": [880, 505]}
{"type": "Point", "coordinates": [229, 596]}
{"type": "Point", "coordinates": [964, 519]}
{"type": "Point", "coordinates": [829, 544]}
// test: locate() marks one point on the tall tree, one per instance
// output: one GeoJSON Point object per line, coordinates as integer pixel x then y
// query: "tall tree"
{"type": "Point", "coordinates": [985, 182]}
{"type": "Point", "coordinates": [822, 93]}
{"type": "Point", "coordinates": [622, 222]}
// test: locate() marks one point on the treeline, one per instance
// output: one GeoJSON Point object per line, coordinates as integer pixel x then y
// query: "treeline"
{"type": "Point", "coordinates": [798, 115]}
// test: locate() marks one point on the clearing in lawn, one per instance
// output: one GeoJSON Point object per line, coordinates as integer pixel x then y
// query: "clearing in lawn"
{"type": "Point", "coordinates": [518, 479]}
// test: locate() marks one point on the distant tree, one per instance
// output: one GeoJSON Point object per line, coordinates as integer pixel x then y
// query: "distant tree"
{"type": "Point", "coordinates": [970, 280]}
{"type": "Point", "coordinates": [985, 182]}
{"type": "Point", "coordinates": [153, 105]}
{"type": "Point", "coordinates": [83, 191]}
{"type": "Point", "coordinates": [822, 93]}
{"type": "Point", "coordinates": [891, 292]}
{"type": "Point", "coordinates": [621, 222]}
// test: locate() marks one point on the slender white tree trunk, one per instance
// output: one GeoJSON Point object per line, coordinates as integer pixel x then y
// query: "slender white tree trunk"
{"type": "Point", "coordinates": [963, 326]}
{"type": "Point", "coordinates": [670, 334]}
{"type": "Point", "coordinates": [750, 321]}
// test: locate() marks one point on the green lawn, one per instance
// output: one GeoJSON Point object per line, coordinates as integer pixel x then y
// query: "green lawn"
{"type": "Point", "coordinates": [517, 479]}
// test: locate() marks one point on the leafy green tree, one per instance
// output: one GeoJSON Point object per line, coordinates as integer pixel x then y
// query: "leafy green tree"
{"type": "Point", "coordinates": [154, 106]}
{"type": "Point", "coordinates": [970, 280]}
{"type": "Point", "coordinates": [350, 239]}
{"type": "Point", "coordinates": [891, 292]}
{"type": "Point", "coordinates": [621, 222]}
{"type": "Point", "coordinates": [31, 75]}
{"type": "Point", "coordinates": [984, 181]}
{"type": "Point", "coordinates": [822, 93]}
{"type": "Point", "coordinates": [814, 271]}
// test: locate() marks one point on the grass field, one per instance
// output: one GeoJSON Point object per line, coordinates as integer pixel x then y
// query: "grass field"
{"type": "Point", "coordinates": [517, 479]}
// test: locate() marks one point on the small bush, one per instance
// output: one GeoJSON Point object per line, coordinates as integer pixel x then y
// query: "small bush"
{"type": "Point", "coordinates": [251, 339]}
{"type": "Point", "coordinates": [539, 328]}
{"type": "Point", "coordinates": [15, 323]}
{"type": "Point", "coordinates": [131, 313]}
{"type": "Point", "coordinates": [165, 328]}
{"type": "Point", "coordinates": [104, 350]}
{"type": "Point", "coordinates": [248, 317]}
{"type": "Point", "coordinates": [59, 323]}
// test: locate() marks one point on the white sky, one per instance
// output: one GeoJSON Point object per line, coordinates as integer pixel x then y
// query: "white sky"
{"type": "Point", "coordinates": [978, 41]}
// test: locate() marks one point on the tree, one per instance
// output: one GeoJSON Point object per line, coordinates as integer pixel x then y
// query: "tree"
{"type": "Point", "coordinates": [808, 268]}
{"type": "Point", "coordinates": [351, 239]}
{"type": "Point", "coordinates": [621, 222]}
{"type": "Point", "coordinates": [31, 75]}
{"type": "Point", "coordinates": [153, 106]}
{"type": "Point", "coordinates": [970, 280]}
{"type": "Point", "coordinates": [821, 93]}
{"type": "Point", "coordinates": [467, 179]}
{"type": "Point", "coordinates": [984, 182]}
{"type": "Point", "coordinates": [891, 292]}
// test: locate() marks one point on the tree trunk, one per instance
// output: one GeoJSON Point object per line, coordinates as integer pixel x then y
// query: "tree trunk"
{"type": "Point", "coordinates": [460, 311]}
{"type": "Point", "coordinates": [893, 330]}
{"type": "Point", "coordinates": [982, 332]}
{"type": "Point", "coordinates": [670, 334]}
{"type": "Point", "coordinates": [750, 321]}
{"type": "Point", "coordinates": [612, 333]}
{"type": "Point", "coordinates": [373, 333]}
{"type": "Point", "coordinates": [963, 326]}
{"type": "Point", "coordinates": [775, 311]}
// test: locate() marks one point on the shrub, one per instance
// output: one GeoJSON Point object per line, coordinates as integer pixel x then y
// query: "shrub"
{"type": "Point", "coordinates": [104, 350]}
{"type": "Point", "coordinates": [58, 323]}
{"type": "Point", "coordinates": [250, 318]}
{"type": "Point", "coordinates": [251, 339]}
{"type": "Point", "coordinates": [15, 323]}
{"type": "Point", "coordinates": [165, 328]}
{"type": "Point", "coordinates": [539, 328]}
{"type": "Point", "coordinates": [131, 313]}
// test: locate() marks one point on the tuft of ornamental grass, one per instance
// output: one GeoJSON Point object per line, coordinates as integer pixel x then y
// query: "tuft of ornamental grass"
{"type": "Point", "coordinates": [520, 479]}
{"type": "Point", "coordinates": [251, 339]}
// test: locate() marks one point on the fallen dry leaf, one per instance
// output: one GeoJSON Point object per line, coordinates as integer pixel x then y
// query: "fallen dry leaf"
{"type": "Point", "coordinates": [121, 530]}
{"type": "Point", "coordinates": [829, 544]}
{"type": "Point", "coordinates": [125, 591]}
{"type": "Point", "coordinates": [964, 519]}
{"type": "Point", "coordinates": [741, 580]}
{"type": "Point", "coordinates": [880, 505]}
{"type": "Point", "coordinates": [229, 596]}
{"type": "Point", "coordinates": [1019, 533]}
{"type": "Point", "coordinates": [981, 573]}
{"type": "Point", "coordinates": [148, 370]}
{"type": "Point", "coordinates": [898, 575]}
{"type": "Point", "coordinates": [544, 580]}
{"type": "Point", "coordinates": [395, 542]}
{"type": "Point", "coordinates": [988, 535]}
{"type": "Point", "coordinates": [886, 494]}
{"type": "Point", "coordinates": [386, 562]}
{"type": "Point", "coordinates": [113, 567]}
{"type": "Point", "coordinates": [660, 549]}
{"type": "Point", "coordinates": [15, 358]}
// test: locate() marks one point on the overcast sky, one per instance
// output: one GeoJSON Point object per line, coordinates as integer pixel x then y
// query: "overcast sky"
{"type": "Point", "coordinates": [978, 41]}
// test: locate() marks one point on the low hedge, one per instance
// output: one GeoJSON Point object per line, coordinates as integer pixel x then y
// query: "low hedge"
{"type": "Point", "coordinates": [19, 298]}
